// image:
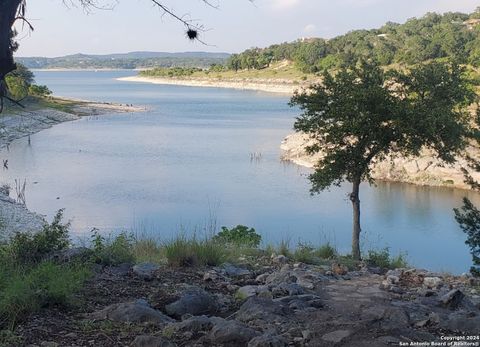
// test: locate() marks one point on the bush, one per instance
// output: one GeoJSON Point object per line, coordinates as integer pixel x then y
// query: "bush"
{"type": "Point", "coordinates": [326, 251]}
{"type": "Point", "coordinates": [383, 260]}
{"type": "Point", "coordinates": [379, 258]}
{"type": "Point", "coordinates": [30, 248]}
{"type": "Point", "coordinates": [239, 236]}
{"type": "Point", "coordinates": [112, 251]}
{"type": "Point", "coordinates": [398, 262]}
{"type": "Point", "coordinates": [147, 250]}
{"type": "Point", "coordinates": [185, 252]}
{"type": "Point", "coordinates": [27, 290]}
{"type": "Point", "coordinates": [304, 253]}
{"type": "Point", "coordinates": [284, 248]}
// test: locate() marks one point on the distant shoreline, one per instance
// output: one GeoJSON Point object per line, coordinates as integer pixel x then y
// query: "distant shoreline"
{"type": "Point", "coordinates": [242, 84]}
{"type": "Point", "coordinates": [33, 119]}
{"type": "Point", "coordinates": [86, 69]}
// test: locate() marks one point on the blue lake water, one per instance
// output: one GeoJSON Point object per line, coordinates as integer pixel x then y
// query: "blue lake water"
{"type": "Point", "coordinates": [186, 162]}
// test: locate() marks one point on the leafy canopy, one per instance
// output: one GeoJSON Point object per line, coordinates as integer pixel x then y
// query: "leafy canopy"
{"type": "Point", "coordinates": [469, 219]}
{"type": "Point", "coordinates": [363, 113]}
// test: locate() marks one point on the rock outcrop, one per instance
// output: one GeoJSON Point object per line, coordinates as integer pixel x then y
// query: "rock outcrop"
{"type": "Point", "coordinates": [425, 169]}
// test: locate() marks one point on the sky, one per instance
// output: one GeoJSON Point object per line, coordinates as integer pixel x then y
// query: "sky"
{"type": "Point", "coordinates": [232, 26]}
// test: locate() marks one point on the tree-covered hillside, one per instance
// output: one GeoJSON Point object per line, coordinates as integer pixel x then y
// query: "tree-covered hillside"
{"type": "Point", "coordinates": [434, 36]}
{"type": "Point", "coordinates": [132, 60]}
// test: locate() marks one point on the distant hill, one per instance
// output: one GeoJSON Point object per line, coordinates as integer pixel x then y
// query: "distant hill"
{"type": "Point", "coordinates": [131, 60]}
{"type": "Point", "coordinates": [451, 35]}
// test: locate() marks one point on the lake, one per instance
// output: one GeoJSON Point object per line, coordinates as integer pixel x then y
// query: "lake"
{"type": "Point", "coordinates": [186, 164]}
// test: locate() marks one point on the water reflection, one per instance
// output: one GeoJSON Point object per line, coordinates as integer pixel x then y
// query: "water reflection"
{"type": "Point", "coordinates": [167, 169]}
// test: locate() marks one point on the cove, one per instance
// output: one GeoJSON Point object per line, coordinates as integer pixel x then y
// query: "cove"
{"type": "Point", "coordinates": [187, 163]}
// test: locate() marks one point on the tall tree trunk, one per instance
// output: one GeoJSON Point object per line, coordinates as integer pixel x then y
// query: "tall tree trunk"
{"type": "Point", "coordinates": [354, 198]}
{"type": "Point", "coordinates": [8, 12]}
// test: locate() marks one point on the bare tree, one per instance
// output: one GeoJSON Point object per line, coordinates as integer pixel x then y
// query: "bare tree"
{"type": "Point", "coordinates": [12, 11]}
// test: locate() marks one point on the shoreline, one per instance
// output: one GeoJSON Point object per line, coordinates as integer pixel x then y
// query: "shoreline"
{"type": "Point", "coordinates": [16, 217]}
{"type": "Point", "coordinates": [424, 170]}
{"type": "Point", "coordinates": [241, 84]}
{"type": "Point", "coordinates": [59, 69]}
{"type": "Point", "coordinates": [21, 123]}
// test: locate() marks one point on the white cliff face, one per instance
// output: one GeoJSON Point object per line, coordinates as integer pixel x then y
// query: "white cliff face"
{"type": "Point", "coordinates": [422, 170]}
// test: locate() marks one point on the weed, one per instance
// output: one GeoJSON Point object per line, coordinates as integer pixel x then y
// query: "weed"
{"type": "Point", "coordinates": [112, 250]}
{"type": "Point", "coordinates": [183, 251]}
{"type": "Point", "coordinates": [383, 259]}
{"type": "Point", "coordinates": [326, 251]}
{"type": "Point", "coordinates": [29, 289]}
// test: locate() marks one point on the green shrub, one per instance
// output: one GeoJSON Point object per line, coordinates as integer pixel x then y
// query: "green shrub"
{"type": "Point", "coordinates": [185, 252]}
{"type": "Point", "coordinates": [112, 251]}
{"type": "Point", "coordinates": [284, 248]}
{"type": "Point", "coordinates": [240, 236]}
{"type": "Point", "coordinates": [9, 338]}
{"type": "Point", "coordinates": [379, 258]}
{"type": "Point", "coordinates": [304, 253]}
{"type": "Point", "coordinates": [211, 253]}
{"type": "Point", "coordinates": [400, 261]}
{"type": "Point", "coordinates": [348, 261]}
{"type": "Point", "coordinates": [383, 260]}
{"type": "Point", "coordinates": [147, 250]}
{"type": "Point", "coordinates": [37, 90]}
{"type": "Point", "coordinates": [468, 217]}
{"type": "Point", "coordinates": [179, 252]}
{"type": "Point", "coordinates": [326, 251]}
{"type": "Point", "coordinates": [29, 248]}
{"type": "Point", "coordinates": [28, 289]}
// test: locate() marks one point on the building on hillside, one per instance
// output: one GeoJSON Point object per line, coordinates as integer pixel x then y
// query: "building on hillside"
{"type": "Point", "coordinates": [472, 23]}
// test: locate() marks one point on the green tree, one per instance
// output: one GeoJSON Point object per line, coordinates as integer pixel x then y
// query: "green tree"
{"type": "Point", "coordinates": [469, 219]}
{"type": "Point", "coordinates": [362, 114]}
{"type": "Point", "coordinates": [19, 81]}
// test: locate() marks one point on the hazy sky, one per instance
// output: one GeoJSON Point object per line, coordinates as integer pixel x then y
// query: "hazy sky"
{"type": "Point", "coordinates": [136, 25]}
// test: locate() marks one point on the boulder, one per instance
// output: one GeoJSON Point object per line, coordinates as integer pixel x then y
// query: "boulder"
{"type": "Point", "coordinates": [119, 270]}
{"type": "Point", "coordinates": [432, 282]}
{"type": "Point", "coordinates": [268, 340]}
{"type": "Point", "coordinates": [213, 276]}
{"type": "Point", "coordinates": [257, 308]}
{"type": "Point", "coordinates": [336, 336]}
{"type": "Point", "coordinates": [279, 259]}
{"type": "Point", "coordinates": [70, 254]}
{"type": "Point", "coordinates": [151, 341]}
{"type": "Point", "coordinates": [261, 278]}
{"type": "Point", "coordinates": [145, 270]}
{"type": "Point", "coordinates": [132, 312]}
{"type": "Point", "coordinates": [452, 299]}
{"type": "Point", "coordinates": [284, 289]}
{"type": "Point", "coordinates": [193, 324]}
{"type": "Point", "coordinates": [246, 292]}
{"type": "Point", "coordinates": [395, 318]}
{"type": "Point", "coordinates": [301, 302]}
{"type": "Point", "coordinates": [249, 291]}
{"type": "Point", "coordinates": [234, 271]}
{"type": "Point", "coordinates": [461, 322]}
{"type": "Point", "coordinates": [231, 333]}
{"type": "Point", "coordinates": [194, 301]}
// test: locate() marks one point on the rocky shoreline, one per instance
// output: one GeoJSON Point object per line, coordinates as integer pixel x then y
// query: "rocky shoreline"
{"type": "Point", "coordinates": [423, 170]}
{"type": "Point", "coordinates": [264, 85]}
{"type": "Point", "coordinates": [14, 216]}
{"type": "Point", "coordinates": [15, 125]}
{"type": "Point", "coordinates": [266, 301]}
